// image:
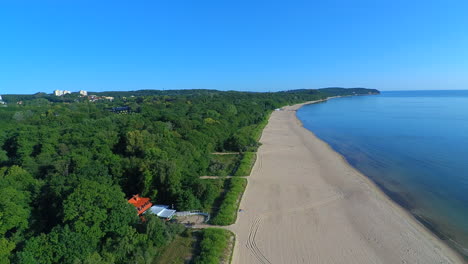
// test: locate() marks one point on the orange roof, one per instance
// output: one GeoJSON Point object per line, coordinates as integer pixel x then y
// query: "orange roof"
{"type": "Point", "coordinates": [141, 204]}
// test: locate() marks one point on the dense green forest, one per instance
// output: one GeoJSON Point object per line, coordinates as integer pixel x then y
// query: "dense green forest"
{"type": "Point", "coordinates": [67, 166]}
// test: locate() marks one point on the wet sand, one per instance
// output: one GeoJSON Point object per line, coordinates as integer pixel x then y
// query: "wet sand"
{"type": "Point", "coordinates": [305, 204]}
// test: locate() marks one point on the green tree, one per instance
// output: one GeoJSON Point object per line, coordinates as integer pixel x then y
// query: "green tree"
{"type": "Point", "coordinates": [6, 247]}
{"type": "Point", "coordinates": [14, 210]}
{"type": "Point", "coordinates": [98, 210]}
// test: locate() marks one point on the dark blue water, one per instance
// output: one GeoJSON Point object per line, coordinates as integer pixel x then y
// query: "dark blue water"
{"type": "Point", "coordinates": [413, 144]}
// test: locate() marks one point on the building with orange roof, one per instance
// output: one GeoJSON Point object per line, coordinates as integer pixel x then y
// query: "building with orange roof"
{"type": "Point", "coordinates": [141, 204]}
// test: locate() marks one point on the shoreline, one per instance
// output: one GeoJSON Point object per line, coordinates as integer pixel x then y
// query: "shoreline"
{"type": "Point", "coordinates": [299, 181]}
{"type": "Point", "coordinates": [432, 235]}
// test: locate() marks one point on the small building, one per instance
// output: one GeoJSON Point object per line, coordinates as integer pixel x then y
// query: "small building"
{"type": "Point", "coordinates": [141, 204]}
{"type": "Point", "coordinates": [162, 211]}
{"type": "Point", "coordinates": [83, 93]}
{"type": "Point", "coordinates": [121, 110]}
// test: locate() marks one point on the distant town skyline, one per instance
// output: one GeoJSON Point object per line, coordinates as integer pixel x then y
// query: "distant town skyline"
{"type": "Point", "coordinates": [236, 45]}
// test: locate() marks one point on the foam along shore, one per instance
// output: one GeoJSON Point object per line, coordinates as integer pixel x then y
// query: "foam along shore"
{"type": "Point", "coordinates": [305, 204]}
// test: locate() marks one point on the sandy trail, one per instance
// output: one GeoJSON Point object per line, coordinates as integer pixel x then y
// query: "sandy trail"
{"type": "Point", "coordinates": [305, 204]}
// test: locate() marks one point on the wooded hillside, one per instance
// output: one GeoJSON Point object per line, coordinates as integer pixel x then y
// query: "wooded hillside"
{"type": "Point", "coordinates": [68, 166]}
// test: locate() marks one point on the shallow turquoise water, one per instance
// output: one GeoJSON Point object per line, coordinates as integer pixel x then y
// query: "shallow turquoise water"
{"type": "Point", "coordinates": [413, 144]}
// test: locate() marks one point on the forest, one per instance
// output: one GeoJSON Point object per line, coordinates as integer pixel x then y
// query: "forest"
{"type": "Point", "coordinates": [68, 166]}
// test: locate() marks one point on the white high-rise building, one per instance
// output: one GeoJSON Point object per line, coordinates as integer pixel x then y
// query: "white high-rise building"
{"type": "Point", "coordinates": [83, 92]}
{"type": "Point", "coordinates": [1, 98]}
{"type": "Point", "coordinates": [58, 92]}
{"type": "Point", "coordinates": [61, 92]}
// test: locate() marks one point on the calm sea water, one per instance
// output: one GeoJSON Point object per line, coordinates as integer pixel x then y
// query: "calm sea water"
{"type": "Point", "coordinates": [413, 144]}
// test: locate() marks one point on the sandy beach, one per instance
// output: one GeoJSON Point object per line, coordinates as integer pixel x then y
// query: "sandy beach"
{"type": "Point", "coordinates": [305, 204]}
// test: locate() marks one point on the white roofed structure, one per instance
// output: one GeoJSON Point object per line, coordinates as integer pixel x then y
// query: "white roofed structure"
{"type": "Point", "coordinates": [162, 211]}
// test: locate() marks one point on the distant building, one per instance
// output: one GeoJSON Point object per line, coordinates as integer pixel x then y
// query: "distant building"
{"type": "Point", "coordinates": [141, 204]}
{"type": "Point", "coordinates": [94, 98]}
{"type": "Point", "coordinates": [121, 110]}
{"type": "Point", "coordinates": [61, 92]}
{"type": "Point", "coordinates": [1, 98]}
{"type": "Point", "coordinates": [83, 93]}
{"type": "Point", "coordinates": [58, 92]}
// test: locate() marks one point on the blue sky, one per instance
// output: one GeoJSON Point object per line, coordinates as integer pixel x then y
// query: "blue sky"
{"type": "Point", "coordinates": [232, 45]}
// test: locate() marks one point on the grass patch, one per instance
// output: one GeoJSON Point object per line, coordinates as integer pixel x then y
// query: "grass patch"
{"type": "Point", "coordinates": [246, 164]}
{"type": "Point", "coordinates": [257, 133]}
{"type": "Point", "coordinates": [223, 165]}
{"type": "Point", "coordinates": [227, 212]}
{"type": "Point", "coordinates": [214, 194]}
{"type": "Point", "coordinates": [215, 247]}
{"type": "Point", "coordinates": [180, 250]}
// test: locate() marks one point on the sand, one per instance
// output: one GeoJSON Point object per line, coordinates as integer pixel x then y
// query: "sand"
{"type": "Point", "coordinates": [305, 204]}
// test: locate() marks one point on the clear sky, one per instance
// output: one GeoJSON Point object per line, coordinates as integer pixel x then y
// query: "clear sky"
{"type": "Point", "coordinates": [232, 44]}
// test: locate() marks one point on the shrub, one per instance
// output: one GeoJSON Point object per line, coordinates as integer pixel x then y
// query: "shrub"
{"type": "Point", "coordinates": [246, 163]}
{"type": "Point", "coordinates": [227, 212]}
{"type": "Point", "coordinates": [213, 245]}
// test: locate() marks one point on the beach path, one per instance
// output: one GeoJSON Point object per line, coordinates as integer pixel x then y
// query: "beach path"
{"type": "Point", "coordinates": [305, 204]}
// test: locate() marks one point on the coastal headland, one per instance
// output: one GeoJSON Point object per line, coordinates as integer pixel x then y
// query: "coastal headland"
{"type": "Point", "coordinates": [305, 204]}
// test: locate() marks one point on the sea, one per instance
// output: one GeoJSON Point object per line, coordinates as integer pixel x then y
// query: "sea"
{"type": "Point", "coordinates": [412, 144]}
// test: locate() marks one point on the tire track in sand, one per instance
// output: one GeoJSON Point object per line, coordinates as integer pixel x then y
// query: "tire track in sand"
{"type": "Point", "coordinates": [251, 241]}
{"type": "Point", "coordinates": [252, 244]}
